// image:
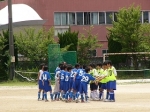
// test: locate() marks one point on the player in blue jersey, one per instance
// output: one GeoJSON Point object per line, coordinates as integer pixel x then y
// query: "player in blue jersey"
{"type": "Point", "coordinates": [67, 82]}
{"type": "Point", "coordinates": [40, 84]}
{"type": "Point", "coordinates": [46, 78]}
{"type": "Point", "coordinates": [56, 92]}
{"type": "Point", "coordinates": [86, 78]}
{"type": "Point", "coordinates": [76, 81]}
{"type": "Point", "coordinates": [62, 80]}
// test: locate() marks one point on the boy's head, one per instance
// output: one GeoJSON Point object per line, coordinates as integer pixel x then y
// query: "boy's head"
{"type": "Point", "coordinates": [91, 66]}
{"type": "Point", "coordinates": [87, 69]}
{"type": "Point", "coordinates": [77, 65]}
{"type": "Point", "coordinates": [109, 63]}
{"type": "Point", "coordinates": [69, 68]}
{"type": "Point", "coordinates": [63, 67]}
{"type": "Point", "coordinates": [84, 66]}
{"type": "Point", "coordinates": [45, 68]}
{"type": "Point", "coordinates": [42, 66]}
{"type": "Point", "coordinates": [98, 66]}
{"type": "Point", "coordinates": [60, 64]}
{"type": "Point", "coordinates": [104, 66]}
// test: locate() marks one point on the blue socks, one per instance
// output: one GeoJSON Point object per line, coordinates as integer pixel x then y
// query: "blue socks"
{"type": "Point", "coordinates": [107, 95]}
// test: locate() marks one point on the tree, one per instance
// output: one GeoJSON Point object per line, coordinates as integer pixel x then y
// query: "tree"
{"type": "Point", "coordinates": [115, 47]}
{"type": "Point", "coordinates": [5, 56]}
{"type": "Point", "coordinates": [34, 44]}
{"type": "Point", "coordinates": [127, 31]}
{"type": "Point", "coordinates": [68, 39]}
{"type": "Point", "coordinates": [87, 42]}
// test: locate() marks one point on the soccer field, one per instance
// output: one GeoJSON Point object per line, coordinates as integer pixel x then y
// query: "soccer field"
{"type": "Point", "coordinates": [129, 98]}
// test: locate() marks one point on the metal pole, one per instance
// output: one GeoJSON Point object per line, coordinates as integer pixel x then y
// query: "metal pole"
{"type": "Point", "coordinates": [11, 40]}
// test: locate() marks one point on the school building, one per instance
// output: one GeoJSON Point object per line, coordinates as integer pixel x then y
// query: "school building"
{"type": "Point", "coordinates": [79, 14]}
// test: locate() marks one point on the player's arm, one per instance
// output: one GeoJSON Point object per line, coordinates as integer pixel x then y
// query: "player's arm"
{"type": "Point", "coordinates": [115, 72]}
{"type": "Point", "coordinates": [75, 74]}
{"type": "Point", "coordinates": [38, 76]}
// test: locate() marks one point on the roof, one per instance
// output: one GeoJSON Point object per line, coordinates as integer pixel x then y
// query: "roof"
{"type": "Point", "coordinates": [22, 15]}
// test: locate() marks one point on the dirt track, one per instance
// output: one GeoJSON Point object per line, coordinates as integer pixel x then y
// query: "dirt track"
{"type": "Point", "coordinates": [129, 98]}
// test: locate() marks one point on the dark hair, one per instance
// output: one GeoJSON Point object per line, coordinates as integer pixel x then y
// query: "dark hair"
{"type": "Point", "coordinates": [84, 66]}
{"type": "Point", "coordinates": [87, 69]}
{"type": "Point", "coordinates": [109, 62]}
{"type": "Point", "coordinates": [45, 68]}
{"type": "Point", "coordinates": [99, 64]}
{"type": "Point", "coordinates": [63, 67]}
{"type": "Point", "coordinates": [77, 65]}
{"type": "Point", "coordinates": [92, 65]}
{"type": "Point", "coordinates": [60, 64]}
{"type": "Point", "coordinates": [105, 63]}
{"type": "Point", "coordinates": [69, 67]}
{"type": "Point", "coordinates": [41, 65]}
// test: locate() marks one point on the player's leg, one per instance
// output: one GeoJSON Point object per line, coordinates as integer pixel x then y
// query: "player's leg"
{"type": "Point", "coordinates": [85, 89]}
{"type": "Point", "coordinates": [112, 88]}
{"type": "Point", "coordinates": [51, 94]}
{"type": "Point", "coordinates": [108, 90]}
{"type": "Point", "coordinates": [95, 92]}
{"type": "Point", "coordinates": [40, 84]}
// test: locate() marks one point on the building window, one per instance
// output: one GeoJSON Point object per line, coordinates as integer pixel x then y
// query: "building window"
{"type": "Point", "coordinates": [92, 52]}
{"type": "Point", "coordinates": [146, 17]}
{"type": "Point", "coordinates": [71, 18]}
{"type": "Point", "coordinates": [87, 18]}
{"type": "Point", "coordinates": [104, 51]}
{"type": "Point", "coordinates": [61, 18]}
{"type": "Point", "coordinates": [64, 18]}
{"type": "Point", "coordinates": [79, 18]}
{"type": "Point", "coordinates": [101, 17]}
{"type": "Point", "coordinates": [108, 18]}
{"type": "Point", "coordinates": [94, 18]}
{"type": "Point", "coordinates": [57, 18]}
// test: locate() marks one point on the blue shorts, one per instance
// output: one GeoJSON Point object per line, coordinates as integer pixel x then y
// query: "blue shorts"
{"type": "Point", "coordinates": [71, 84]}
{"type": "Point", "coordinates": [47, 87]}
{"type": "Point", "coordinates": [66, 86]}
{"type": "Point", "coordinates": [111, 85]}
{"type": "Point", "coordinates": [40, 83]}
{"type": "Point", "coordinates": [103, 85]}
{"type": "Point", "coordinates": [83, 88]}
{"type": "Point", "coordinates": [61, 85]}
{"type": "Point", "coordinates": [76, 85]}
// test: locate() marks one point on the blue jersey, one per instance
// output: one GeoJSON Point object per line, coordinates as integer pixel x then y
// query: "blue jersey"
{"type": "Point", "coordinates": [46, 76]}
{"type": "Point", "coordinates": [72, 74]}
{"type": "Point", "coordinates": [62, 75]}
{"type": "Point", "coordinates": [57, 73]}
{"type": "Point", "coordinates": [86, 78]}
{"type": "Point", "coordinates": [74, 71]}
{"type": "Point", "coordinates": [67, 76]}
{"type": "Point", "coordinates": [80, 73]}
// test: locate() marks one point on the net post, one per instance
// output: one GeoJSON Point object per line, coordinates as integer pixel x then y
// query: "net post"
{"type": "Point", "coordinates": [104, 57]}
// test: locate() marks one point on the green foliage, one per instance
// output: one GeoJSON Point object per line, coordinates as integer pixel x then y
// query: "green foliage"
{"type": "Point", "coordinates": [129, 32]}
{"type": "Point", "coordinates": [68, 40]}
{"type": "Point", "coordinates": [34, 44]}
{"type": "Point", "coordinates": [115, 47]}
{"type": "Point", "coordinates": [87, 42]}
{"type": "Point", "coordinates": [4, 55]}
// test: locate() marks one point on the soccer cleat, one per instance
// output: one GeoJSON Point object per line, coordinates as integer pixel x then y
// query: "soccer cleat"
{"type": "Point", "coordinates": [77, 100]}
{"type": "Point", "coordinates": [46, 100]}
{"type": "Point", "coordinates": [106, 100]}
{"type": "Point", "coordinates": [112, 100]}
{"type": "Point", "coordinates": [39, 99]}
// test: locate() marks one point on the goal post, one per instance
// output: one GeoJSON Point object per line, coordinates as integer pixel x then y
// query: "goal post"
{"type": "Point", "coordinates": [127, 53]}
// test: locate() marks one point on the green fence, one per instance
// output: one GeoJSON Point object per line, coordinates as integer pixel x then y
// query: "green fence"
{"type": "Point", "coordinates": [55, 56]}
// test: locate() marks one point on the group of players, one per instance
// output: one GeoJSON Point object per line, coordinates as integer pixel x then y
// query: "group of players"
{"type": "Point", "coordinates": [71, 84]}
